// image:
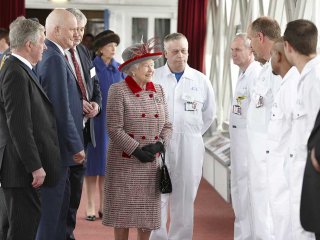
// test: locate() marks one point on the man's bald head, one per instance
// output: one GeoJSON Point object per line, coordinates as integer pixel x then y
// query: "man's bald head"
{"type": "Point", "coordinates": [61, 26]}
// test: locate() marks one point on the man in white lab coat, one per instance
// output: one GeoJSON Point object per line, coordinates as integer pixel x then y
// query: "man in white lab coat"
{"type": "Point", "coordinates": [279, 131]}
{"type": "Point", "coordinates": [262, 32]}
{"type": "Point", "coordinates": [242, 56]}
{"type": "Point", "coordinates": [300, 43]}
{"type": "Point", "coordinates": [192, 108]}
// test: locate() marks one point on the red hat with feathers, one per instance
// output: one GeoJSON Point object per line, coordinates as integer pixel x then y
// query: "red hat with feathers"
{"type": "Point", "coordinates": [140, 52]}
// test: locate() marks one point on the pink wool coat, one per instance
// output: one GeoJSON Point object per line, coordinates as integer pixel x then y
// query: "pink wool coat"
{"type": "Point", "coordinates": [136, 117]}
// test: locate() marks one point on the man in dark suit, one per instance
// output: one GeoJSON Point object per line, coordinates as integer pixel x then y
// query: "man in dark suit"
{"type": "Point", "coordinates": [310, 196]}
{"type": "Point", "coordinates": [80, 59]}
{"type": "Point", "coordinates": [59, 82]}
{"type": "Point", "coordinates": [29, 147]}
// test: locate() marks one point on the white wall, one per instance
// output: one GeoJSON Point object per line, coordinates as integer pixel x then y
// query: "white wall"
{"type": "Point", "coordinates": [121, 14]}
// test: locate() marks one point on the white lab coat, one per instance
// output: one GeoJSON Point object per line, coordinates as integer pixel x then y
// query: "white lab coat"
{"type": "Point", "coordinates": [279, 131]}
{"type": "Point", "coordinates": [304, 115]}
{"type": "Point", "coordinates": [239, 146]}
{"type": "Point", "coordinates": [185, 153]}
{"type": "Point", "coordinates": [265, 88]}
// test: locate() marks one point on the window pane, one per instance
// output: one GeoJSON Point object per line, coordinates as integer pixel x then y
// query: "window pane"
{"type": "Point", "coordinates": [162, 28]}
{"type": "Point", "coordinates": [139, 30]}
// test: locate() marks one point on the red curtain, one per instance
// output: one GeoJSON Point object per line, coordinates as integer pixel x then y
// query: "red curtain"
{"type": "Point", "coordinates": [192, 22]}
{"type": "Point", "coordinates": [10, 10]}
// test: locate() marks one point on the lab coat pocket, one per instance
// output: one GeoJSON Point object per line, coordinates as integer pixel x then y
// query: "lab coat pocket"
{"type": "Point", "coordinates": [257, 118]}
{"type": "Point", "coordinates": [300, 117]}
{"type": "Point", "coordinates": [193, 112]}
{"type": "Point", "coordinates": [276, 124]}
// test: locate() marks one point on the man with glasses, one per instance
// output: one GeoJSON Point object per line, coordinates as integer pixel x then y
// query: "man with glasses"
{"type": "Point", "coordinates": [191, 103]}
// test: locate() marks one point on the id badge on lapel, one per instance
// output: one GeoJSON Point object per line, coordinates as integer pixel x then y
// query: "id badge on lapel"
{"type": "Point", "coordinates": [190, 106]}
{"type": "Point", "coordinates": [260, 102]}
{"type": "Point", "coordinates": [236, 109]}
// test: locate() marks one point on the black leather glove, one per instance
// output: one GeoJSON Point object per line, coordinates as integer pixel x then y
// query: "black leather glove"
{"type": "Point", "coordinates": [143, 156]}
{"type": "Point", "coordinates": [154, 147]}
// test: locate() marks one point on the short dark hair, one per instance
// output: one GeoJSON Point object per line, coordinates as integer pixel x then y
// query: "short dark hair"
{"type": "Point", "coordinates": [267, 26]}
{"type": "Point", "coordinates": [4, 33]}
{"type": "Point", "coordinates": [89, 35]}
{"type": "Point", "coordinates": [302, 35]}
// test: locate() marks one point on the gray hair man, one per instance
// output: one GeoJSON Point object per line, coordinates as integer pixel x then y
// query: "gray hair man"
{"type": "Point", "coordinates": [191, 104]}
{"type": "Point", "coordinates": [242, 56]}
{"type": "Point", "coordinates": [79, 59]}
{"type": "Point", "coordinates": [29, 152]}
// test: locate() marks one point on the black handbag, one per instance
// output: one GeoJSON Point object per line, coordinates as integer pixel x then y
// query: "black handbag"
{"type": "Point", "coordinates": [165, 181]}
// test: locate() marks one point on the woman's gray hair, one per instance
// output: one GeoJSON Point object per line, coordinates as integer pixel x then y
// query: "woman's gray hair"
{"type": "Point", "coordinates": [23, 30]}
{"type": "Point", "coordinates": [132, 68]}
{"type": "Point", "coordinates": [78, 14]}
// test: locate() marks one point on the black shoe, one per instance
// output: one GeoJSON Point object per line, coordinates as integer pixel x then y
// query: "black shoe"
{"type": "Point", "coordinates": [100, 214]}
{"type": "Point", "coordinates": [91, 218]}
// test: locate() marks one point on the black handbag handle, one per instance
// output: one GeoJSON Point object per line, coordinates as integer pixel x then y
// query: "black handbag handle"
{"type": "Point", "coordinates": [163, 158]}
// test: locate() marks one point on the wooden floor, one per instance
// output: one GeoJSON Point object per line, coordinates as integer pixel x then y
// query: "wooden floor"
{"type": "Point", "coordinates": [213, 219]}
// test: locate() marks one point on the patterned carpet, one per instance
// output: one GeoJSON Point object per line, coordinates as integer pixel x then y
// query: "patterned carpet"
{"type": "Point", "coordinates": [213, 219]}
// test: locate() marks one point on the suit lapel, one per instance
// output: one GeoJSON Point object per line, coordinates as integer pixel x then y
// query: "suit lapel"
{"type": "Point", "coordinates": [53, 46]}
{"type": "Point", "coordinates": [31, 75]}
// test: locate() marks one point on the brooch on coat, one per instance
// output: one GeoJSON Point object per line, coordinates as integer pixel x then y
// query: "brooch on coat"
{"type": "Point", "coordinates": [158, 99]}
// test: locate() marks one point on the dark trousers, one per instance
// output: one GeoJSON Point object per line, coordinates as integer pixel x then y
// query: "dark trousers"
{"type": "Point", "coordinates": [76, 175]}
{"type": "Point", "coordinates": [23, 209]}
{"type": "Point", "coordinates": [4, 221]}
{"type": "Point", "coordinates": [54, 208]}
{"type": "Point", "coordinates": [317, 236]}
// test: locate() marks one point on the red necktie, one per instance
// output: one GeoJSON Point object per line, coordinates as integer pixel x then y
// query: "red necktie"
{"type": "Point", "coordinates": [78, 74]}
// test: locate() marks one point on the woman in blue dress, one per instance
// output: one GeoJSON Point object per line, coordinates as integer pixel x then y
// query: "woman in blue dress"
{"type": "Point", "coordinates": [105, 46]}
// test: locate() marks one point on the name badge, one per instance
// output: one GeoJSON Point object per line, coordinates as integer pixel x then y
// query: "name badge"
{"type": "Point", "coordinates": [236, 109]}
{"type": "Point", "coordinates": [260, 102]}
{"type": "Point", "coordinates": [190, 106]}
{"type": "Point", "coordinates": [92, 72]}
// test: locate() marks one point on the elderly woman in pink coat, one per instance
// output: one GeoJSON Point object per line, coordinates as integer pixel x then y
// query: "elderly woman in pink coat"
{"type": "Point", "coordinates": [139, 128]}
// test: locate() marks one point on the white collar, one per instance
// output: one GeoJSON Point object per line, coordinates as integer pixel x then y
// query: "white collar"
{"type": "Point", "coordinates": [22, 59]}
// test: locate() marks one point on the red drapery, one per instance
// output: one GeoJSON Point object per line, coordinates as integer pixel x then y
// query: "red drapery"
{"type": "Point", "coordinates": [10, 10]}
{"type": "Point", "coordinates": [192, 22]}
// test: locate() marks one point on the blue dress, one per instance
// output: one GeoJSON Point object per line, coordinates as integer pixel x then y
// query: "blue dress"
{"type": "Point", "coordinates": [97, 157]}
